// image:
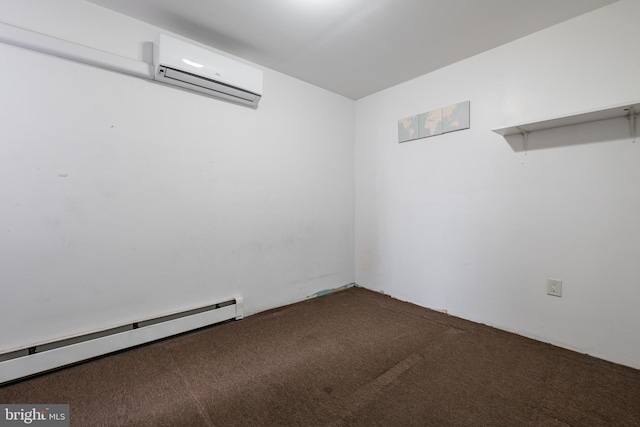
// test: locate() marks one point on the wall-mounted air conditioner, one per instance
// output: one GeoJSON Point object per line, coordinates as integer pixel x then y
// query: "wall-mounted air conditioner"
{"type": "Point", "coordinates": [200, 70]}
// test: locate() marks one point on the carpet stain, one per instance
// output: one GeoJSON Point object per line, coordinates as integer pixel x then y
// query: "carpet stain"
{"type": "Point", "coordinates": [330, 291]}
{"type": "Point", "coordinates": [368, 392]}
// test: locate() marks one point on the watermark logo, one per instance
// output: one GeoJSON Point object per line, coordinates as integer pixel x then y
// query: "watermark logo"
{"type": "Point", "coordinates": [34, 415]}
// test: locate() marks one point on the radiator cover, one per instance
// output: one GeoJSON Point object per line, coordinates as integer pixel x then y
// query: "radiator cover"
{"type": "Point", "coordinates": [45, 357]}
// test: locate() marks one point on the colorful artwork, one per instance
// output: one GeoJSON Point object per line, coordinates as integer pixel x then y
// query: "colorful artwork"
{"type": "Point", "coordinates": [408, 129]}
{"type": "Point", "coordinates": [443, 120]}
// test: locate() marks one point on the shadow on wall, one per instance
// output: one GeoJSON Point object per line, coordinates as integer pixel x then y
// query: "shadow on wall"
{"type": "Point", "coordinates": [585, 133]}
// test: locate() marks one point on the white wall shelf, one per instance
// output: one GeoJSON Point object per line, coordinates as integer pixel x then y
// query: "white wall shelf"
{"type": "Point", "coordinates": [622, 110]}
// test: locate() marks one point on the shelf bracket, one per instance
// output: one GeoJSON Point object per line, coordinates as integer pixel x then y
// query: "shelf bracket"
{"type": "Point", "coordinates": [632, 117]}
{"type": "Point", "coordinates": [525, 138]}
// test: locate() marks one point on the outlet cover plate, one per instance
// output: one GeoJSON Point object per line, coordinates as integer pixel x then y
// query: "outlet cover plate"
{"type": "Point", "coordinates": [554, 287]}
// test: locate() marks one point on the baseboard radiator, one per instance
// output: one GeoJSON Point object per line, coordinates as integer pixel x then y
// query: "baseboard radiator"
{"type": "Point", "coordinates": [44, 357]}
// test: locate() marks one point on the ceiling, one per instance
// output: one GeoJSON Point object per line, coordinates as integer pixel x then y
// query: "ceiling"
{"type": "Point", "coordinates": [353, 47]}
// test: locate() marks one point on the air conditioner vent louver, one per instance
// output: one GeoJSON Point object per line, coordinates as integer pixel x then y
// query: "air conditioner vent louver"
{"type": "Point", "coordinates": [183, 79]}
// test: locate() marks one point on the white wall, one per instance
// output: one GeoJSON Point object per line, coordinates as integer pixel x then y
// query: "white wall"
{"type": "Point", "coordinates": [171, 199]}
{"type": "Point", "coordinates": [464, 222]}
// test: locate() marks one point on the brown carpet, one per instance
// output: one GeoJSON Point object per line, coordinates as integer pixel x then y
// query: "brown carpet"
{"type": "Point", "coordinates": [352, 358]}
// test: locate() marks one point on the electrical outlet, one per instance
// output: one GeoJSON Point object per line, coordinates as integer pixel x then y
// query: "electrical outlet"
{"type": "Point", "coordinates": [554, 287]}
